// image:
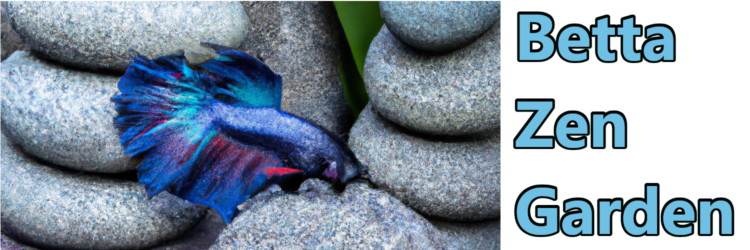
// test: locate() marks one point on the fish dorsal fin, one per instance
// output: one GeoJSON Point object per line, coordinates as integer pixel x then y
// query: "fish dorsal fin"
{"type": "Point", "coordinates": [242, 77]}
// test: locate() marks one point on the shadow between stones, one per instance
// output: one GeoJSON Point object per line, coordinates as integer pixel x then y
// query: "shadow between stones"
{"type": "Point", "coordinates": [123, 176]}
{"type": "Point", "coordinates": [437, 138]}
{"type": "Point", "coordinates": [64, 66]}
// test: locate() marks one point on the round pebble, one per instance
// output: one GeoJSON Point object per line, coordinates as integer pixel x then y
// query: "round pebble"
{"type": "Point", "coordinates": [62, 115]}
{"type": "Point", "coordinates": [455, 179]}
{"type": "Point", "coordinates": [108, 35]}
{"type": "Point", "coordinates": [358, 218]}
{"type": "Point", "coordinates": [58, 208]}
{"type": "Point", "coordinates": [439, 26]}
{"type": "Point", "coordinates": [457, 93]}
{"type": "Point", "coordinates": [201, 237]}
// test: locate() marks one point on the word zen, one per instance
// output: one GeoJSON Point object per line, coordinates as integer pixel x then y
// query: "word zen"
{"type": "Point", "coordinates": [571, 127]}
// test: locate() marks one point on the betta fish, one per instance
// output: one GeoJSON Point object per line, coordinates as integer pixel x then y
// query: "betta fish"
{"type": "Point", "coordinates": [212, 131]}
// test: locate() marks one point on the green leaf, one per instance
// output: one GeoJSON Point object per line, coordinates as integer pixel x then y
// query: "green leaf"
{"type": "Point", "coordinates": [361, 22]}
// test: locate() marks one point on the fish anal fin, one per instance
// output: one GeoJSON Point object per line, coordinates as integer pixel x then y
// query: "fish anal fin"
{"type": "Point", "coordinates": [282, 171]}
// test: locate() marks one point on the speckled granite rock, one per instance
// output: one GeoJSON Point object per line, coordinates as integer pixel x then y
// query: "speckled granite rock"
{"type": "Point", "coordinates": [57, 208]}
{"type": "Point", "coordinates": [471, 235]}
{"type": "Point", "coordinates": [199, 238]}
{"type": "Point", "coordinates": [457, 93]}
{"type": "Point", "coordinates": [100, 35]}
{"type": "Point", "coordinates": [10, 40]}
{"type": "Point", "coordinates": [62, 115]}
{"type": "Point", "coordinates": [300, 41]}
{"type": "Point", "coordinates": [439, 26]}
{"type": "Point", "coordinates": [456, 179]}
{"type": "Point", "coordinates": [358, 218]}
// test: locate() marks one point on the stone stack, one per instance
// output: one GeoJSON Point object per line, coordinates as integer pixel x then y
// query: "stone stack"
{"type": "Point", "coordinates": [66, 183]}
{"type": "Point", "coordinates": [430, 135]}
{"type": "Point", "coordinates": [301, 41]}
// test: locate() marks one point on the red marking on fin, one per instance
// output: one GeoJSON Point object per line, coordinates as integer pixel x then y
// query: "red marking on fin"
{"type": "Point", "coordinates": [282, 171]}
{"type": "Point", "coordinates": [152, 125]}
{"type": "Point", "coordinates": [177, 75]}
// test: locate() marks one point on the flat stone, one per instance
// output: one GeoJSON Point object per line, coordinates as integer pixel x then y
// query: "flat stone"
{"type": "Point", "coordinates": [10, 40]}
{"type": "Point", "coordinates": [107, 35]}
{"type": "Point", "coordinates": [358, 218]}
{"type": "Point", "coordinates": [439, 26]}
{"type": "Point", "coordinates": [471, 235]}
{"type": "Point", "coordinates": [456, 93]}
{"type": "Point", "coordinates": [57, 208]}
{"type": "Point", "coordinates": [451, 178]}
{"type": "Point", "coordinates": [201, 237]}
{"type": "Point", "coordinates": [62, 115]}
{"type": "Point", "coordinates": [300, 41]}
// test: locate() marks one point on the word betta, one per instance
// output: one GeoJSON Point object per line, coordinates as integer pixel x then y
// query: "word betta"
{"type": "Point", "coordinates": [574, 40]}
{"type": "Point", "coordinates": [677, 216]}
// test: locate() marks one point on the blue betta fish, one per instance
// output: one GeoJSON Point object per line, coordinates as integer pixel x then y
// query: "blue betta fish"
{"type": "Point", "coordinates": [214, 134]}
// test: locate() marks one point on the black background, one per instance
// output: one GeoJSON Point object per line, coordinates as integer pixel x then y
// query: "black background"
{"type": "Point", "coordinates": [685, 119]}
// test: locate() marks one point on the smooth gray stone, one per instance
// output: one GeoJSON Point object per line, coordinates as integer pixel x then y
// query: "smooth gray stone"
{"type": "Point", "coordinates": [455, 179]}
{"type": "Point", "coordinates": [456, 93]}
{"type": "Point", "coordinates": [106, 35]}
{"type": "Point", "coordinates": [471, 235]}
{"type": "Point", "coordinates": [318, 217]}
{"type": "Point", "coordinates": [199, 238]}
{"type": "Point", "coordinates": [439, 26]}
{"type": "Point", "coordinates": [301, 41]}
{"type": "Point", "coordinates": [52, 207]}
{"type": "Point", "coordinates": [62, 115]}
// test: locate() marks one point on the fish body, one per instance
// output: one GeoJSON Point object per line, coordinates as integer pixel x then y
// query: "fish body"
{"type": "Point", "coordinates": [214, 133]}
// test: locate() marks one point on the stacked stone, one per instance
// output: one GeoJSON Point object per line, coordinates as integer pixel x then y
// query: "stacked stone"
{"type": "Point", "coordinates": [430, 135]}
{"type": "Point", "coordinates": [66, 182]}
{"type": "Point", "coordinates": [301, 41]}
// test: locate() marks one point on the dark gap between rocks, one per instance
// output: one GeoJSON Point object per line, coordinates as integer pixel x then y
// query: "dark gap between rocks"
{"type": "Point", "coordinates": [73, 68]}
{"type": "Point", "coordinates": [125, 176]}
{"type": "Point", "coordinates": [438, 138]}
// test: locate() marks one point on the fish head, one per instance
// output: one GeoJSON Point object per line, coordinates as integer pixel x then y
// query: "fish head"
{"type": "Point", "coordinates": [340, 172]}
{"type": "Point", "coordinates": [341, 166]}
